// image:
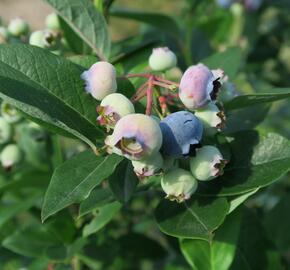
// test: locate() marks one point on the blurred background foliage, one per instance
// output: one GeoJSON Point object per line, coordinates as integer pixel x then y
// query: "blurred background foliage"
{"type": "Point", "coordinates": [132, 240]}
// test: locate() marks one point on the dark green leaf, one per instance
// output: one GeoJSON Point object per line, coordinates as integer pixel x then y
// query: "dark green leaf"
{"type": "Point", "coordinates": [245, 118]}
{"type": "Point", "coordinates": [48, 88]}
{"type": "Point", "coordinates": [87, 22]}
{"type": "Point", "coordinates": [217, 254]}
{"type": "Point", "coordinates": [123, 181]}
{"type": "Point", "coordinates": [257, 161]}
{"type": "Point", "coordinates": [97, 198]}
{"type": "Point", "coordinates": [10, 210]}
{"type": "Point", "coordinates": [104, 214]}
{"type": "Point", "coordinates": [229, 61]}
{"type": "Point", "coordinates": [254, 99]}
{"type": "Point", "coordinates": [196, 218]}
{"type": "Point", "coordinates": [73, 181]}
{"type": "Point", "coordinates": [31, 242]}
{"type": "Point", "coordinates": [277, 223]}
{"type": "Point", "coordinates": [160, 21]}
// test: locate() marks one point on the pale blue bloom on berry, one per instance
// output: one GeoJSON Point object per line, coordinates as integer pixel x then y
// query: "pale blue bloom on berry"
{"type": "Point", "coordinates": [135, 136]}
{"type": "Point", "coordinates": [253, 4]}
{"type": "Point", "coordinates": [198, 86]}
{"type": "Point", "coordinates": [100, 80]}
{"type": "Point", "coordinates": [182, 133]}
{"type": "Point", "coordinates": [225, 3]}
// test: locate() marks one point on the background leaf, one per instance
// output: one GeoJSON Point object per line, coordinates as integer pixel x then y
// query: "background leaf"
{"type": "Point", "coordinates": [87, 22]}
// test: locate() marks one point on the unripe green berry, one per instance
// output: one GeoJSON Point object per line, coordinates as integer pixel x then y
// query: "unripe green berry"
{"type": "Point", "coordinates": [52, 22]}
{"type": "Point", "coordinates": [178, 184]}
{"type": "Point", "coordinates": [162, 59]}
{"type": "Point", "coordinates": [9, 113]}
{"type": "Point", "coordinates": [148, 167]}
{"type": "Point", "coordinates": [18, 27]}
{"type": "Point", "coordinates": [5, 131]}
{"type": "Point", "coordinates": [10, 156]}
{"type": "Point", "coordinates": [211, 116]}
{"type": "Point", "coordinates": [45, 39]}
{"type": "Point", "coordinates": [207, 164]}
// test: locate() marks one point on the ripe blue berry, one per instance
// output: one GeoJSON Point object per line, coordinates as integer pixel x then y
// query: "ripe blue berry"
{"type": "Point", "coordinates": [182, 132]}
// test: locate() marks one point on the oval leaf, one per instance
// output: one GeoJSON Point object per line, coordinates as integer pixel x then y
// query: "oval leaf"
{"type": "Point", "coordinates": [195, 219]}
{"type": "Point", "coordinates": [73, 181]}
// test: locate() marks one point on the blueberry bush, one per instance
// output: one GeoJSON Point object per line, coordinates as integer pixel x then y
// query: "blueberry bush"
{"type": "Point", "coordinates": [167, 150]}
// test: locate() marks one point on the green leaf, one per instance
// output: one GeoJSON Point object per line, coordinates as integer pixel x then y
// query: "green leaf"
{"type": "Point", "coordinates": [97, 198]}
{"type": "Point", "coordinates": [9, 211]}
{"type": "Point", "coordinates": [160, 21]}
{"type": "Point", "coordinates": [87, 22]}
{"type": "Point", "coordinates": [258, 98]}
{"type": "Point", "coordinates": [254, 250]}
{"type": "Point", "coordinates": [238, 200]}
{"type": "Point", "coordinates": [85, 61]}
{"type": "Point", "coordinates": [277, 222]}
{"type": "Point", "coordinates": [229, 61]}
{"type": "Point", "coordinates": [217, 254]}
{"type": "Point", "coordinates": [245, 118]}
{"type": "Point", "coordinates": [123, 181]}
{"type": "Point", "coordinates": [73, 181]}
{"type": "Point", "coordinates": [104, 215]}
{"type": "Point", "coordinates": [31, 242]}
{"type": "Point", "coordinates": [48, 87]}
{"type": "Point", "coordinates": [196, 218]}
{"type": "Point", "coordinates": [257, 161]}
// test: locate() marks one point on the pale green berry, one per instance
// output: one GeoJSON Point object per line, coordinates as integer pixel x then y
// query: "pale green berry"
{"type": "Point", "coordinates": [52, 22]}
{"type": "Point", "coordinates": [211, 116]}
{"type": "Point", "coordinates": [5, 131]}
{"type": "Point", "coordinates": [178, 184]}
{"type": "Point", "coordinates": [112, 108]}
{"type": "Point", "coordinates": [162, 59]}
{"type": "Point", "coordinates": [10, 113]}
{"type": "Point", "coordinates": [18, 27]}
{"type": "Point", "coordinates": [207, 164]}
{"type": "Point", "coordinates": [10, 156]}
{"type": "Point", "coordinates": [148, 167]}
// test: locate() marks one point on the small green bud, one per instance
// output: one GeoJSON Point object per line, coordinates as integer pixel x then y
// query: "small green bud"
{"type": "Point", "coordinates": [52, 22]}
{"type": "Point", "coordinates": [10, 156]}
{"type": "Point", "coordinates": [18, 27]}
{"type": "Point", "coordinates": [178, 184]}
{"type": "Point", "coordinates": [207, 164]}
{"type": "Point", "coordinates": [5, 131]}
{"type": "Point", "coordinates": [10, 113]}
{"type": "Point", "coordinates": [162, 59]}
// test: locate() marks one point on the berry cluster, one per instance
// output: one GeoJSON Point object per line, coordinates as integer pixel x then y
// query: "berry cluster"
{"type": "Point", "coordinates": [161, 142]}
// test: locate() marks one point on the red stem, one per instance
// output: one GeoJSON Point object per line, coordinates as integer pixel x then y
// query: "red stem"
{"type": "Point", "coordinates": [166, 81]}
{"type": "Point", "coordinates": [140, 93]}
{"type": "Point", "coordinates": [149, 95]}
